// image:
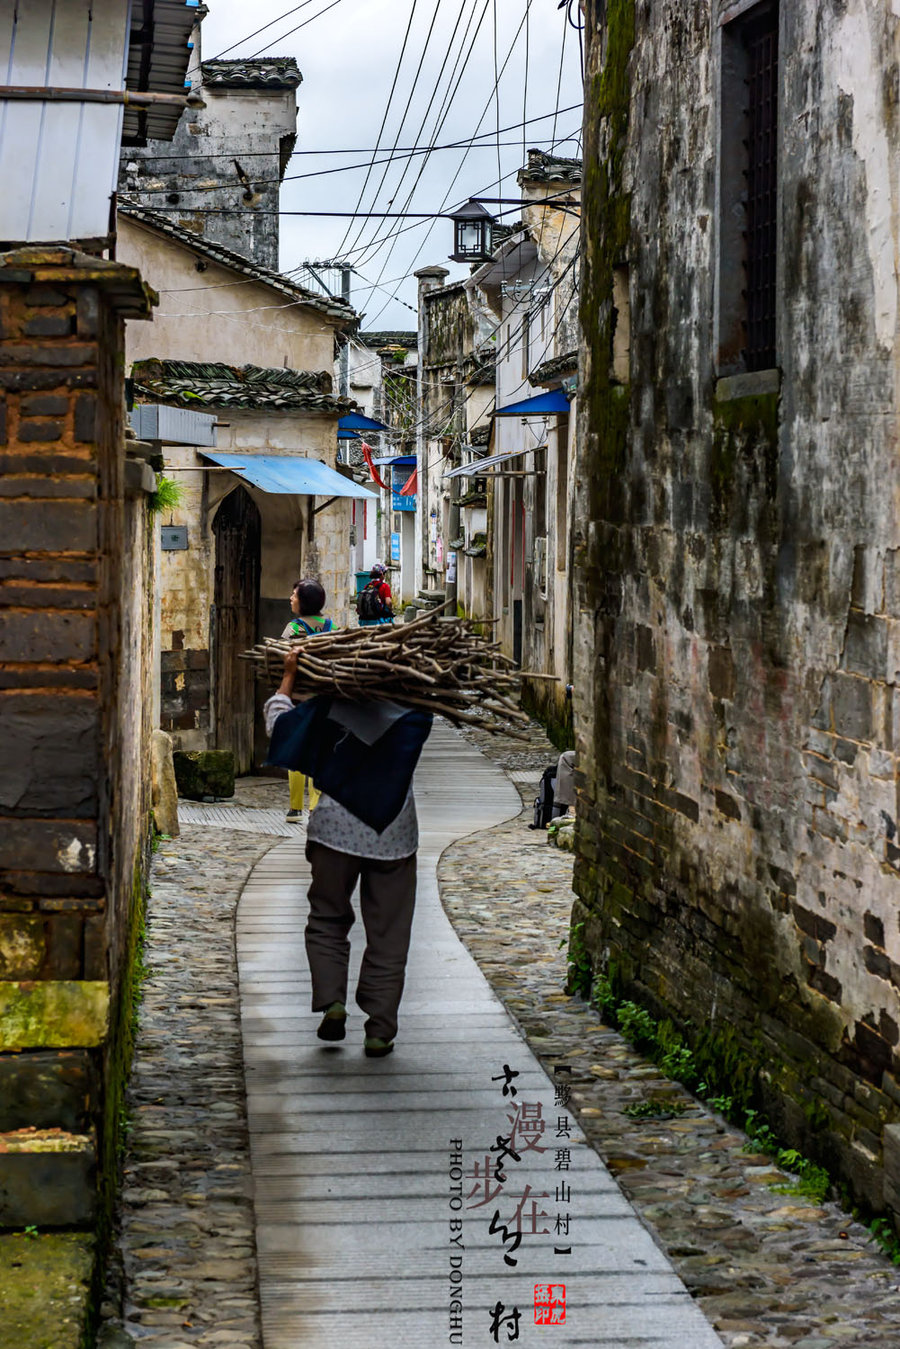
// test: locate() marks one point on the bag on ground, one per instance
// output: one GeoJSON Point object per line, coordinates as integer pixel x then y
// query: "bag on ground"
{"type": "Point", "coordinates": [545, 807]}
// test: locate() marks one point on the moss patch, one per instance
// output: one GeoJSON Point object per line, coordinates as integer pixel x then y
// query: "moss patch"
{"type": "Point", "coordinates": [551, 709]}
{"type": "Point", "coordinates": [742, 426]}
{"type": "Point", "coordinates": [53, 1014]}
{"type": "Point", "coordinates": [44, 1289]}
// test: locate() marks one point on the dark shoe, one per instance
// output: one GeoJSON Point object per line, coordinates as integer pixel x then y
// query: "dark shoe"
{"type": "Point", "coordinates": [294, 816]}
{"type": "Point", "coordinates": [378, 1049]}
{"type": "Point", "coordinates": [333, 1025]}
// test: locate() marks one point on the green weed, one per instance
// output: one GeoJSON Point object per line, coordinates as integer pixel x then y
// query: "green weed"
{"type": "Point", "coordinates": [655, 1109]}
{"type": "Point", "coordinates": [580, 973]}
{"type": "Point", "coordinates": [167, 496]}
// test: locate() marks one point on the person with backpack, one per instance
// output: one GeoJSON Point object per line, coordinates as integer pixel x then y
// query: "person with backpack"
{"type": "Point", "coordinates": [307, 603]}
{"type": "Point", "coordinates": [374, 603]}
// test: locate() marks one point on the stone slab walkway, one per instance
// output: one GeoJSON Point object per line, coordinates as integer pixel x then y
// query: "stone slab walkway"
{"type": "Point", "coordinates": [367, 1173]}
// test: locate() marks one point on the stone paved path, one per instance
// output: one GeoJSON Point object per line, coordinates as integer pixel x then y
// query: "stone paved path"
{"type": "Point", "coordinates": [768, 1270]}
{"type": "Point", "coordinates": [355, 1167]}
{"type": "Point", "coordinates": [185, 1267]}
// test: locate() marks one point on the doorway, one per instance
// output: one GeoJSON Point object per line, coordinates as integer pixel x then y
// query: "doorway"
{"type": "Point", "coordinates": [235, 608]}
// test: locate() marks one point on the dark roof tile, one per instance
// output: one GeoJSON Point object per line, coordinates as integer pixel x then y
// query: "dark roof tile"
{"type": "Point", "coordinates": [212, 384]}
{"type": "Point", "coordinates": [227, 257]}
{"type": "Point", "coordinates": [272, 72]}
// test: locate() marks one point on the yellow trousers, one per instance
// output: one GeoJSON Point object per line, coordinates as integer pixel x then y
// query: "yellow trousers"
{"type": "Point", "coordinates": [297, 786]}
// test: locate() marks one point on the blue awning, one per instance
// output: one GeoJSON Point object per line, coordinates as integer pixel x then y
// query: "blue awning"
{"type": "Point", "coordinates": [290, 475]}
{"type": "Point", "coordinates": [396, 459]}
{"type": "Point", "coordinates": [355, 421]}
{"type": "Point", "coordinates": [539, 406]}
{"type": "Point", "coordinates": [348, 435]}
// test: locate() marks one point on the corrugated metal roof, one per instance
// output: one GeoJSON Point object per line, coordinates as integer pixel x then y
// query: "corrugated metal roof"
{"type": "Point", "coordinates": [478, 466]}
{"type": "Point", "coordinates": [158, 57]}
{"type": "Point", "coordinates": [207, 248]}
{"type": "Point", "coordinates": [543, 404]}
{"type": "Point", "coordinates": [58, 159]}
{"type": "Point", "coordinates": [290, 475]}
{"type": "Point", "coordinates": [355, 421]}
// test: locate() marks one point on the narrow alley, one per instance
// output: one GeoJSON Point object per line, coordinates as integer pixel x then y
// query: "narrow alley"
{"type": "Point", "coordinates": [331, 1181]}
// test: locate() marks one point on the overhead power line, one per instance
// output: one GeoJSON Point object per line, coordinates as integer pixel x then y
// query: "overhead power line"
{"type": "Point", "coordinates": [271, 24]}
{"type": "Point", "coordinates": [387, 109]}
{"type": "Point", "coordinates": [362, 150]}
{"type": "Point", "coordinates": [453, 82]}
{"type": "Point", "coordinates": [291, 31]}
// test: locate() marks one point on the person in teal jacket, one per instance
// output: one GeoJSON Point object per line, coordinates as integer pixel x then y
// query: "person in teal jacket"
{"type": "Point", "coordinates": [307, 603]}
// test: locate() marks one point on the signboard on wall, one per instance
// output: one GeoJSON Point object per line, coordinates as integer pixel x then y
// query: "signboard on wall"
{"type": "Point", "coordinates": [395, 547]}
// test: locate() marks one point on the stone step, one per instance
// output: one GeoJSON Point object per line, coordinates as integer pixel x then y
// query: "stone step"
{"type": "Point", "coordinates": [48, 1178]}
{"type": "Point", "coordinates": [48, 1089]}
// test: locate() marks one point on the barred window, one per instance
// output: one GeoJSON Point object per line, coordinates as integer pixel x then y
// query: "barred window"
{"type": "Point", "coordinates": [748, 192]}
{"type": "Point", "coordinates": [761, 38]}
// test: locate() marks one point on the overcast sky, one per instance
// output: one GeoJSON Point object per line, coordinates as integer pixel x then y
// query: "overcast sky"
{"type": "Point", "coordinates": [348, 57]}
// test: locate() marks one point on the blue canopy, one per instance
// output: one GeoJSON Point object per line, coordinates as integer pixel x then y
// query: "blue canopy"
{"type": "Point", "coordinates": [290, 475]}
{"type": "Point", "coordinates": [355, 421]}
{"type": "Point", "coordinates": [396, 459]}
{"type": "Point", "coordinates": [348, 435]}
{"type": "Point", "coordinates": [539, 406]}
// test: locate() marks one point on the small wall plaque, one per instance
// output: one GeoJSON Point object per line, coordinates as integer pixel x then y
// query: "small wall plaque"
{"type": "Point", "coordinates": [174, 537]}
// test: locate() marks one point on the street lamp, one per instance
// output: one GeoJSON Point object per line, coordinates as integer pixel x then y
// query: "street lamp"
{"type": "Point", "coordinates": [472, 230]}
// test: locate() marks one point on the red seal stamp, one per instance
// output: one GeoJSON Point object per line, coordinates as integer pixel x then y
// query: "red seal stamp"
{"type": "Point", "coordinates": [549, 1304]}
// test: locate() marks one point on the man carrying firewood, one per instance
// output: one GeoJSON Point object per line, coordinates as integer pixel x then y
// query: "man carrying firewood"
{"type": "Point", "coordinates": [364, 828]}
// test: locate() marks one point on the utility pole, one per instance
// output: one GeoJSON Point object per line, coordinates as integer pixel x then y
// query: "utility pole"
{"type": "Point", "coordinates": [346, 272]}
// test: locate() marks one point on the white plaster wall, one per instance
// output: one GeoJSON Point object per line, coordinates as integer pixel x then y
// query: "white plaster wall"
{"type": "Point", "coordinates": [217, 314]}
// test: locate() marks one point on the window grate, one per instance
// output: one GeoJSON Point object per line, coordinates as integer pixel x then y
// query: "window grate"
{"type": "Point", "coordinates": [762, 191]}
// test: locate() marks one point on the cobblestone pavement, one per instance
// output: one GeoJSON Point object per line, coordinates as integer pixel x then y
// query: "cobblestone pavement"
{"type": "Point", "coordinates": [769, 1269]}
{"type": "Point", "coordinates": [185, 1273]}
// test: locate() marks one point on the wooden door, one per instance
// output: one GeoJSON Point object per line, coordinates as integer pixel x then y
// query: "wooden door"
{"type": "Point", "coordinates": [236, 604]}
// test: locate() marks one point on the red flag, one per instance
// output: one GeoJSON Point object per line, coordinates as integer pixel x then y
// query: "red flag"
{"type": "Point", "coordinates": [367, 455]}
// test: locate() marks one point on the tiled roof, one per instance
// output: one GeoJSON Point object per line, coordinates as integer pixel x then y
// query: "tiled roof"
{"type": "Point", "coordinates": [272, 72]}
{"type": "Point", "coordinates": [336, 309]}
{"type": "Point", "coordinates": [390, 339]}
{"type": "Point", "coordinates": [210, 384]}
{"type": "Point", "coordinates": [500, 233]}
{"type": "Point", "coordinates": [544, 168]}
{"type": "Point", "coordinates": [556, 368]}
{"type": "Point", "coordinates": [482, 366]}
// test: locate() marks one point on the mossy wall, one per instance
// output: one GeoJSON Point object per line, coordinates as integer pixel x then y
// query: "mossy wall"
{"type": "Point", "coordinates": [76, 558]}
{"type": "Point", "coordinates": [737, 692]}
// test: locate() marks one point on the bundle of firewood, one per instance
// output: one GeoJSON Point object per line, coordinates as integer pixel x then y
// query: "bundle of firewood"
{"type": "Point", "coordinates": [442, 665]}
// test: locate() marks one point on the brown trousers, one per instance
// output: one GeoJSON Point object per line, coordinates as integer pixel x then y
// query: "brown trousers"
{"type": "Point", "coordinates": [387, 898]}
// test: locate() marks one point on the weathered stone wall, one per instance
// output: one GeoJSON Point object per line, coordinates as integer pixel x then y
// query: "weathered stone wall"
{"type": "Point", "coordinates": [75, 648]}
{"type": "Point", "coordinates": [232, 153]}
{"type": "Point", "coordinates": [289, 552]}
{"type": "Point", "coordinates": [455, 395]}
{"type": "Point", "coordinates": [255, 325]}
{"type": "Point", "coordinates": [737, 680]}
